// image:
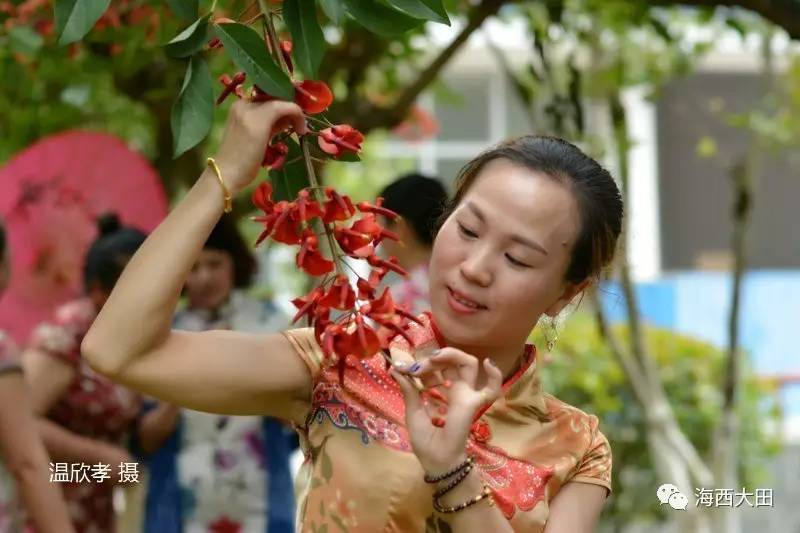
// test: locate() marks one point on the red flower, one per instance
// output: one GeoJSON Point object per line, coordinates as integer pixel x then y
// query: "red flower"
{"type": "Point", "coordinates": [354, 243]}
{"type": "Point", "coordinates": [332, 341]}
{"type": "Point", "coordinates": [364, 342]}
{"type": "Point", "coordinates": [306, 208]}
{"type": "Point", "coordinates": [274, 156]}
{"type": "Point", "coordinates": [418, 126]}
{"type": "Point", "coordinates": [337, 207]}
{"type": "Point", "coordinates": [231, 84]}
{"type": "Point", "coordinates": [262, 197]}
{"type": "Point", "coordinates": [381, 307]}
{"type": "Point", "coordinates": [365, 290]}
{"type": "Point", "coordinates": [378, 209]}
{"type": "Point", "coordinates": [286, 229]}
{"type": "Point", "coordinates": [340, 295]}
{"type": "Point", "coordinates": [368, 225]}
{"type": "Point", "coordinates": [339, 139]}
{"type": "Point", "coordinates": [224, 525]}
{"type": "Point", "coordinates": [313, 96]}
{"type": "Point", "coordinates": [307, 306]}
{"type": "Point", "coordinates": [309, 257]}
{"type": "Point", "coordinates": [481, 431]}
{"type": "Point", "coordinates": [390, 264]}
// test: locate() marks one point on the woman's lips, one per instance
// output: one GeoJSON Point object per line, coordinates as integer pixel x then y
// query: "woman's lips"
{"type": "Point", "coordinates": [463, 304]}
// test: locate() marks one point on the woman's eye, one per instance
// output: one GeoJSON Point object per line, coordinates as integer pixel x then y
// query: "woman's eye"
{"type": "Point", "coordinates": [516, 262]}
{"type": "Point", "coordinates": [466, 231]}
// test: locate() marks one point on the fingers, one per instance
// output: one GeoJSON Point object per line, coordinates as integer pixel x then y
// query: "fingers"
{"type": "Point", "coordinates": [285, 115]}
{"type": "Point", "coordinates": [465, 365]}
{"type": "Point", "coordinates": [410, 393]}
{"type": "Point", "coordinates": [494, 381]}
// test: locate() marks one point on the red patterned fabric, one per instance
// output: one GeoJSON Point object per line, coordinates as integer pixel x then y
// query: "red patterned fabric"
{"type": "Point", "coordinates": [526, 445]}
{"type": "Point", "coordinates": [93, 407]}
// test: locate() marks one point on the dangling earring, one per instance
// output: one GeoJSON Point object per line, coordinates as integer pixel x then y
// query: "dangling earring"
{"type": "Point", "coordinates": [550, 333]}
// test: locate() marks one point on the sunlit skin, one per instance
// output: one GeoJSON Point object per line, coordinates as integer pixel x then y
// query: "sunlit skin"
{"type": "Point", "coordinates": [481, 253]}
{"type": "Point", "coordinates": [210, 282]}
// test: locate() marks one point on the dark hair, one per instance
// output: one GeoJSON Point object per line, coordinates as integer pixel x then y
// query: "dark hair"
{"type": "Point", "coordinates": [598, 197]}
{"type": "Point", "coordinates": [2, 240]}
{"type": "Point", "coordinates": [420, 200]}
{"type": "Point", "coordinates": [110, 251]}
{"type": "Point", "coordinates": [225, 237]}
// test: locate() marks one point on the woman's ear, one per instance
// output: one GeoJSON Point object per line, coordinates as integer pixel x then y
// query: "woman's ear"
{"type": "Point", "coordinates": [571, 290]}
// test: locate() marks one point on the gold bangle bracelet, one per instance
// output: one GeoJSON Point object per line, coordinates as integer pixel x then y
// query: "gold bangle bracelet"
{"type": "Point", "coordinates": [218, 173]}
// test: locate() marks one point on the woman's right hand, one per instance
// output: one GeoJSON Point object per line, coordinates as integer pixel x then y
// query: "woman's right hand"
{"type": "Point", "coordinates": [249, 129]}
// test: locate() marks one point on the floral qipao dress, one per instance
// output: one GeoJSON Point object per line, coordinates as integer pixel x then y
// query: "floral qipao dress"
{"type": "Point", "coordinates": [361, 475]}
{"type": "Point", "coordinates": [94, 407]}
{"type": "Point", "coordinates": [224, 474]}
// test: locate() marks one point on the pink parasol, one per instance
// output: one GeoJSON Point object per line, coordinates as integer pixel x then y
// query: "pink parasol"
{"type": "Point", "coordinates": [50, 195]}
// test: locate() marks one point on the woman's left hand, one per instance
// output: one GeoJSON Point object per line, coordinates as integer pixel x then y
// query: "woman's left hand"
{"type": "Point", "coordinates": [441, 448]}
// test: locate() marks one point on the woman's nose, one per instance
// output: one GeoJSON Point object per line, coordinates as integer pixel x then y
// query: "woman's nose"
{"type": "Point", "coordinates": [477, 268]}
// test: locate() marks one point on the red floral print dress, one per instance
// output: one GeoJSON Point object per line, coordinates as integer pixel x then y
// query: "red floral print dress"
{"type": "Point", "coordinates": [93, 407]}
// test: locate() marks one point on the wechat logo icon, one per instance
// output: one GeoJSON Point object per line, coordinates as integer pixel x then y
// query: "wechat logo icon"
{"type": "Point", "coordinates": [669, 494]}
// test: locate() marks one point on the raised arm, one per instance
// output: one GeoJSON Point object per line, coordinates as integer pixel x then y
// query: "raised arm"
{"type": "Point", "coordinates": [218, 371]}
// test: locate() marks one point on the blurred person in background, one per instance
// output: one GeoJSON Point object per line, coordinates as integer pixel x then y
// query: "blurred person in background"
{"type": "Point", "coordinates": [25, 489]}
{"type": "Point", "coordinates": [420, 201]}
{"type": "Point", "coordinates": [210, 472]}
{"type": "Point", "coordinates": [85, 418]}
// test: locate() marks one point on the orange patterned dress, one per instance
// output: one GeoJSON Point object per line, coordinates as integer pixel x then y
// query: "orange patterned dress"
{"type": "Point", "coordinates": [361, 475]}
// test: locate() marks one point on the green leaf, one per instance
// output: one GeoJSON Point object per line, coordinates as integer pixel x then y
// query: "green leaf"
{"type": "Point", "coordinates": [423, 9]}
{"type": "Point", "coordinates": [308, 43]}
{"type": "Point", "coordinates": [249, 53]}
{"type": "Point", "coordinates": [334, 10]}
{"type": "Point", "coordinates": [190, 40]}
{"type": "Point", "coordinates": [380, 19]}
{"type": "Point", "coordinates": [737, 25]}
{"type": "Point", "coordinates": [288, 180]}
{"type": "Point", "coordinates": [25, 40]}
{"type": "Point", "coordinates": [193, 111]}
{"type": "Point", "coordinates": [185, 9]}
{"type": "Point", "coordinates": [74, 18]}
{"type": "Point", "coordinates": [349, 157]}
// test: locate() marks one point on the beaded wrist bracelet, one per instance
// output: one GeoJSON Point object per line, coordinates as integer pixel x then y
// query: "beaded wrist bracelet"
{"type": "Point", "coordinates": [485, 493]}
{"type": "Point", "coordinates": [453, 484]}
{"type": "Point", "coordinates": [455, 470]}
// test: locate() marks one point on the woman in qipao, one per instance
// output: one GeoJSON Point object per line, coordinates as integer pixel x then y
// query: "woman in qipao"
{"type": "Point", "coordinates": [533, 222]}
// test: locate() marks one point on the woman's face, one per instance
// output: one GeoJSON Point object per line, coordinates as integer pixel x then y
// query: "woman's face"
{"type": "Point", "coordinates": [499, 260]}
{"type": "Point", "coordinates": [210, 281]}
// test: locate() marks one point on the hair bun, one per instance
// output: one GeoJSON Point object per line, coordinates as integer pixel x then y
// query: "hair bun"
{"type": "Point", "coordinates": [108, 223]}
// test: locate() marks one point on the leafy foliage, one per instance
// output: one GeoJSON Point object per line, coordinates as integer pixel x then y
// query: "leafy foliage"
{"type": "Point", "coordinates": [691, 371]}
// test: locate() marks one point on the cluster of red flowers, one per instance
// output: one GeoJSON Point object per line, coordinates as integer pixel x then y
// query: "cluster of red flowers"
{"type": "Point", "coordinates": [367, 320]}
{"type": "Point", "coordinates": [313, 97]}
{"type": "Point", "coordinates": [347, 320]}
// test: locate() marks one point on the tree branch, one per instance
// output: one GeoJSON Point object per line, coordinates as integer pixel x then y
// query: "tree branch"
{"type": "Point", "coordinates": [784, 13]}
{"type": "Point", "coordinates": [372, 117]}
